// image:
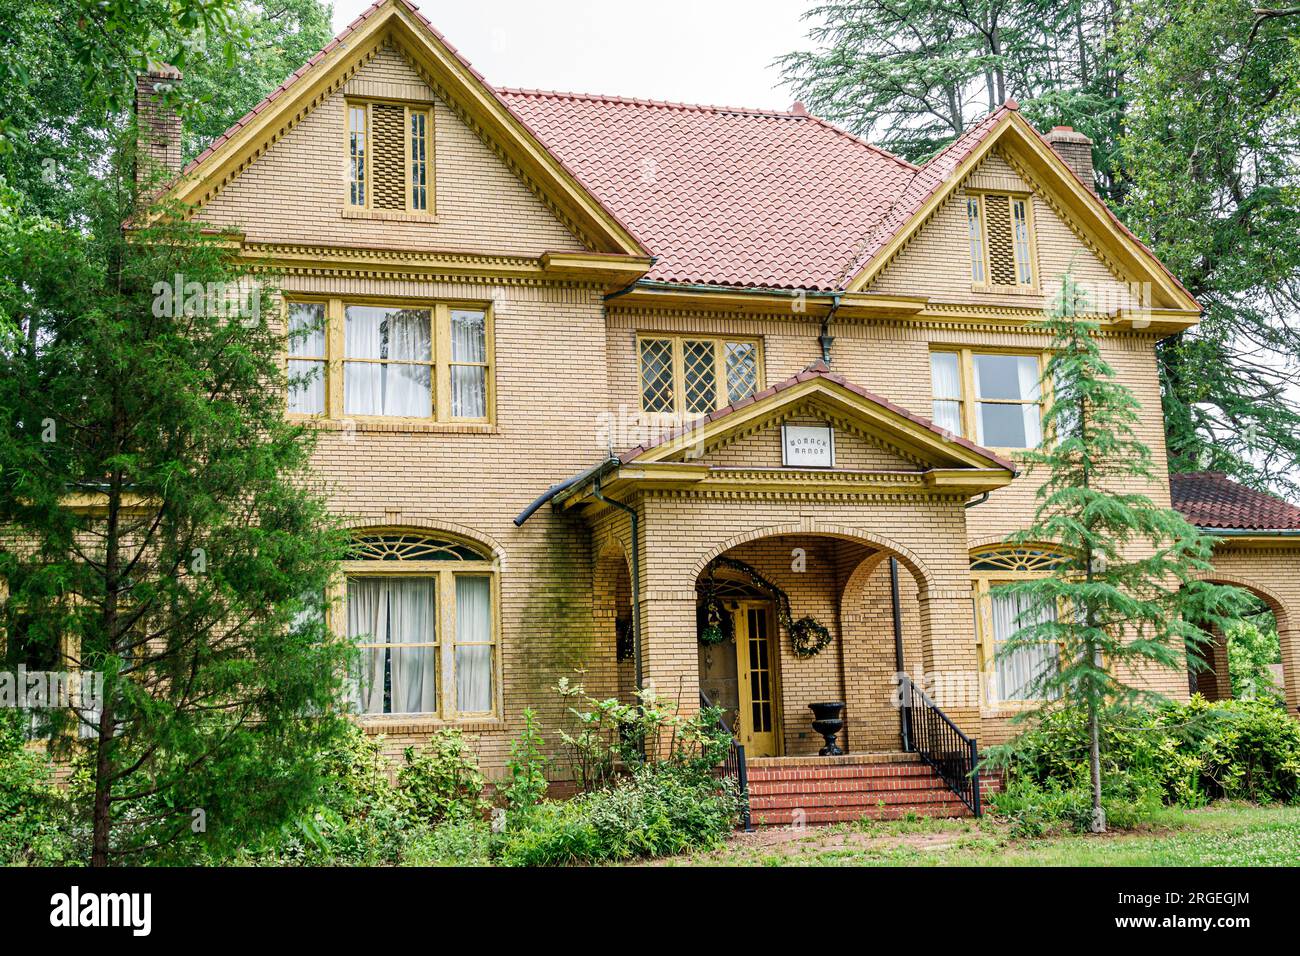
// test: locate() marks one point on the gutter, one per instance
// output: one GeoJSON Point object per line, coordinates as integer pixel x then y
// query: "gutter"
{"type": "Point", "coordinates": [555, 489]}
{"type": "Point", "coordinates": [1250, 532]}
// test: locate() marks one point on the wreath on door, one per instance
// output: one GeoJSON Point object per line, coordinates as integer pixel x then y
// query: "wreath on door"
{"type": "Point", "coordinates": [808, 636]}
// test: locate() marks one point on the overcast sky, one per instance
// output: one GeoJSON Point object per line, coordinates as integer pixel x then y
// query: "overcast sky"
{"type": "Point", "coordinates": [690, 51]}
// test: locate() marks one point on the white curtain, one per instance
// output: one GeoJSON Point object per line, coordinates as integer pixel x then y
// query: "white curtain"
{"type": "Point", "coordinates": [307, 378]}
{"type": "Point", "coordinates": [368, 624]}
{"type": "Point", "coordinates": [363, 384]}
{"type": "Point", "coordinates": [946, 382]}
{"type": "Point", "coordinates": [1016, 672]}
{"type": "Point", "coordinates": [414, 669]}
{"type": "Point", "coordinates": [468, 382]}
{"type": "Point", "coordinates": [473, 660]}
{"type": "Point", "coordinates": [407, 387]}
{"type": "Point", "coordinates": [395, 335]}
{"type": "Point", "coordinates": [1027, 372]}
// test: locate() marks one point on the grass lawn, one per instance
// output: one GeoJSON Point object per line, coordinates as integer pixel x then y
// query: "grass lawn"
{"type": "Point", "coordinates": [1226, 834]}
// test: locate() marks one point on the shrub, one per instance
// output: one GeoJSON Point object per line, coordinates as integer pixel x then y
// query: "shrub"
{"type": "Point", "coordinates": [361, 819]}
{"type": "Point", "coordinates": [464, 841]}
{"type": "Point", "coordinates": [443, 781]}
{"type": "Point", "coordinates": [36, 823]}
{"type": "Point", "coordinates": [651, 812]}
{"type": "Point", "coordinates": [1176, 754]}
{"type": "Point", "coordinates": [526, 766]}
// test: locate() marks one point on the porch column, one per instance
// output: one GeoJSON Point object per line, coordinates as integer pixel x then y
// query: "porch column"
{"type": "Point", "coordinates": [1289, 640]}
{"type": "Point", "coordinates": [948, 655]}
{"type": "Point", "coordinates": [669, 659]}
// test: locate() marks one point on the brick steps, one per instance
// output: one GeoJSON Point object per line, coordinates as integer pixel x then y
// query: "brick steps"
{"type": "Point", "coordinates": [784, 790]}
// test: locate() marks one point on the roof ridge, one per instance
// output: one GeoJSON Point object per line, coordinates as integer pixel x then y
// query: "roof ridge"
{"type": "Point", "coordinates": [642, 101]}
{"type": "Point", "coordinates": [615, 98]}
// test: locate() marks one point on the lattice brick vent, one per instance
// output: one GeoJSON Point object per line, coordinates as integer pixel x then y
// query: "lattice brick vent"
{"type": "Point", "coordinates": [388, 156]}
{"type": "Point", "coordinates": [997, 220]}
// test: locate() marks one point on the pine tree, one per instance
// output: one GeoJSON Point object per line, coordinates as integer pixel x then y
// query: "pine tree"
{"type": "Point", "coordinates": [1127, 598]}
{"type": "Point", "coordinates": [161, 528]}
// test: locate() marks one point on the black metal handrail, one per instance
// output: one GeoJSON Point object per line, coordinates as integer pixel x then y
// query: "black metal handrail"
{"type": "Point", "coordinates": [733, 767]}
{"type": "Point", "coordinates": [930, 734]}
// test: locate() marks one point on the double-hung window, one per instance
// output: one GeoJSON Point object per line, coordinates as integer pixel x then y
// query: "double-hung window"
{"type": "Point", "coordinates": [993, 398]}
{"type": "Point", "coordinates": [695, 375]}
{"type": "Point", "coordinates": [421, 610]}
{"type": "Point", "coordinates": [1012, 678]}
{"type": "Point", "coordinates": [389, 147]}
{"type": "Point", "coordinates": [409, 361]}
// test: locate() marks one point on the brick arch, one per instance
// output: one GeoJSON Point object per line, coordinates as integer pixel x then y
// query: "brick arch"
{"type": "Point", "coordinates": [1276, 604]}
{"type": "Point", "coordinates": [470, 535]}
{"type": "Point", "coordinates": [905, 555]}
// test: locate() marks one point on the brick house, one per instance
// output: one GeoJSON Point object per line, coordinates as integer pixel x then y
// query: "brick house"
{"type": "Point", "coordinates": [593, 374]}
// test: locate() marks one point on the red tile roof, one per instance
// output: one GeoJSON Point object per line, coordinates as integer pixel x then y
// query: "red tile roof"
{"type": "Point", "coordinates": [724, 195]}
{"type": "Point", "coordinates": [721, 195]}
{"type": "Point", "coordinates": [819, 369]}
{"type": "Point", "coordinates": [1209, 499]}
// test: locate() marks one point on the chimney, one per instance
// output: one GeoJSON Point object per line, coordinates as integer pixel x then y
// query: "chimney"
{"type": "Point", "coordinates": [1076, 150]}
{"type": "Point", "coordinates": [159, 125]}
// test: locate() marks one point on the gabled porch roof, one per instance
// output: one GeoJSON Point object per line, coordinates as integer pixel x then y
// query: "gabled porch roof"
{"type": "Point", "coordinates": [947, 462]}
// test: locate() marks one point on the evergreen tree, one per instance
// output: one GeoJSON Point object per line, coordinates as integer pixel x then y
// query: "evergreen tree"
{"type": "Point", "coordinates": [161, 527]}
{"type": "Point", "coordinates": [1127, 600]}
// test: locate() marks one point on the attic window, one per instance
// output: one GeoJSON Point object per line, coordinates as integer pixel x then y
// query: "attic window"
{"type": "Point", "coordinates": [1000, 233]}
{"type": "Point", "coordinates": [388, 157]}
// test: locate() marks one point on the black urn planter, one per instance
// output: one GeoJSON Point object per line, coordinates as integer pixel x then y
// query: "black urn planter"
{"type": "Point", "coordinates": [828, 723]}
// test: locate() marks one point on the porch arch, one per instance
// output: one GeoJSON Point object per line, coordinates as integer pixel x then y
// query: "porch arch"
{"type": "Point", "coordinates": [905, 555]}
{"type": "Point", "coordinates": [1285, 614]}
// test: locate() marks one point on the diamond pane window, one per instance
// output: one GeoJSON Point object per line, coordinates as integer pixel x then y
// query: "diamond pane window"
{"type": "Point", "coordinates": [657, 375]}
{"type": "Point", "coordinates": [699, 376]}
{"type": "Point", "coordinates": [742, 370]}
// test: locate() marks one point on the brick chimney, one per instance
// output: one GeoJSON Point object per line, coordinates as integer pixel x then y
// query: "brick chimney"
{"type": "Point", "coordinates": [1076, 150]}
{"type": "Point", "coordinates": [159, 125]}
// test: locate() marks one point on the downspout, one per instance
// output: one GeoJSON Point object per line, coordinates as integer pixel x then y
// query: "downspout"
{"type": "Point", "coordinates": [636, 574]}
{"type": "Point", "coordinates": [978, 501]}
{"type": "Point", "coordinates": [826, 339]}
{"type": "Point", "coordinates": [897, 606]}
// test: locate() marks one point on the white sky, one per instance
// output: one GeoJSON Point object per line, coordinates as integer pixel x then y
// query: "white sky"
{"type": "Point", "coordinates": [690, 51]}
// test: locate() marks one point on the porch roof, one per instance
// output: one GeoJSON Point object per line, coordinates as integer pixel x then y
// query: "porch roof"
{"type": "Point", "coordinates": [820, 370]}
{"type": "Point", "coordinates": [1217, 504]}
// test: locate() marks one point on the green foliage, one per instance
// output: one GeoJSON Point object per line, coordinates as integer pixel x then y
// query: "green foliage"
{"type": "Point", "coordinates": [1175, 754]}
{"type": "Point", "coordinates": [462, 841]}
{"type": "Point", "coordinates": [652, 812]}
{"type": "Point", "coordinates": [527, 766]}
{"type": "Point", "coordinates": [1128, 595]}
{"type": "Point", "coordinates": [200, 600]}
{"type": "Point", "coordinates": [607, 734]}
{"type": "Point", "coordinates": [36, 822]}
{"type": "Point", "coordinates": [1194, 112]}
{"type": "Point", "coordinates": [1251, 649]}
{"type": "Point", "coordinates": [443, 781]}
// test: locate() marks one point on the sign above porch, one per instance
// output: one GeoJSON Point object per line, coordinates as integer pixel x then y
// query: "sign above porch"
{"type": "Point", "coordinates": [808, 446]}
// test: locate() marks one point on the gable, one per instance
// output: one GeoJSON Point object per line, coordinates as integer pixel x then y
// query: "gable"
{"type": "Point", "coordinates": [855, 449]}
{"type": "Point", "coordinates": [397, 23]}
{"type": "Point", "coordinates": [937, 259]}
{"type": "Point", "coordinates": [1005, 132]}
{"type": "Point", "coordinates": [296, 191]}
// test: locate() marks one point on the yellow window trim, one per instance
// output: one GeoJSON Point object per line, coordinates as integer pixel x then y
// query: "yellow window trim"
{"type": "Point", "coordinates": [1012, 197]}
{"type": "Point", "coordinates": [442, 363]}
{"type": "Point", "coordinates": [970, 402]}
{"type": "Point", "coordinates": [445, 573]}
{"type": "Point", "coordinates": [408, 212]}
{"type": "Point", "coordinates": [721, 398]}
{"type": "Point", "coordinates": [985, 642]}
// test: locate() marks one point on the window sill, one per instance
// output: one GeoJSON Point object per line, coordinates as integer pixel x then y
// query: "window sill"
{"type": "Point", "coordinates": [392, 215]}
{"type": "Point", "coordinates": [397, 426]}
{"type": "Point", "coordinates": [1006, 289]}
{"type": "Point", "coordinates": [423, 723]}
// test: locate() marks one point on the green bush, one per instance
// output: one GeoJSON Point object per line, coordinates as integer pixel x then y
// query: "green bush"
{"type": "Point", "coordinates": [655, 811]}
{"type": "Point", "coordinates": [443, 781]}
{"type": "Point", "coordinates": [36, 824]}
{"type": "Point", "coordinates": [1176, 754]}
{"type": "Point", "coordinates": [464, 841]}
{"type": "Point", "coordinates": [527, 766]}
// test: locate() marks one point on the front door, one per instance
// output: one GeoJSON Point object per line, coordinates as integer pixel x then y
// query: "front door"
{"type": "Point", "coordinates": [759, 712]}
